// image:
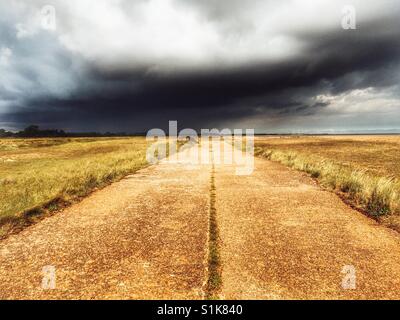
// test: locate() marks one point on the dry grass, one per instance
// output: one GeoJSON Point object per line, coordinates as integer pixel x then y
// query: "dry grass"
{"type": "Point", "coordinates": [378, 155]}
{"type": "Point", "coordinates": [214, 281]}
{"type": "Point", "coordinates": [364, 169]}
{"type": "Point", "coordinates": [38, 175]}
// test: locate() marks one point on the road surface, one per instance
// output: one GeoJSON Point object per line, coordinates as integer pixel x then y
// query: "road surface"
{"type": "Point", "coordinates": [146, 237]}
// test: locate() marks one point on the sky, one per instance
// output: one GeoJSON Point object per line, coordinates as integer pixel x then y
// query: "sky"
{"type": "Point", "coordinates": [274, 66]}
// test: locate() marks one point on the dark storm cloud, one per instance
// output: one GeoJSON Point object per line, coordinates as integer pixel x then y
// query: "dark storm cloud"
{"type": "Point", "coordinates": [133, 98]}
{"type": "Point", "coordinates": [180, 94]}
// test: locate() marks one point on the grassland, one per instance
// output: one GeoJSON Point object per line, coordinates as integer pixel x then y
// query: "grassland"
{"type": "Point", "coordinates": [364, 170]}
{"type": "Point", "coordinates": [38, 176]}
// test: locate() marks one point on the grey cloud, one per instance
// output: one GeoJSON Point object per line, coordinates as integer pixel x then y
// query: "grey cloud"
{"type": "Point", "coordinates": [68, 90]}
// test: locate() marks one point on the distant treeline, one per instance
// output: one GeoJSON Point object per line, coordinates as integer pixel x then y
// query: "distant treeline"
{"type": "Point", "coordinates": [35, 132]}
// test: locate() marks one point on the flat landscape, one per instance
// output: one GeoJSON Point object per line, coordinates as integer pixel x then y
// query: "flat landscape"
{"type": "Point", "coordinates": [38, 175]}
{"type": "Point", "coordinates": [200, 150]}
{"type": "Point", "coordinates": [190, 230]}
{"type": "Point", "coordinates": [378, 155]}
{"type": "Point", "coordinates": [362, 169]}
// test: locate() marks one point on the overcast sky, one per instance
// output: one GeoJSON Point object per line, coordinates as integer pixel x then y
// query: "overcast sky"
{"type": "Point", "coordinates": [274, 66]}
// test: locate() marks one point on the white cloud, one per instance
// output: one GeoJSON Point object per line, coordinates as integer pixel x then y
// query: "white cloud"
{"type": "Point", "coordinates": [169, 34]}
{"type": "Point", "coordinates": [361, 101]}
{"type": "Point", "coordinates": [166, 35]}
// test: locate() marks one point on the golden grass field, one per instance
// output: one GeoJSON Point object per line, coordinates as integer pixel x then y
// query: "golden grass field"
{"type": "Point", "coordinates": [38, 175]}
{"type": "Point", "coordinates": [364, 169]}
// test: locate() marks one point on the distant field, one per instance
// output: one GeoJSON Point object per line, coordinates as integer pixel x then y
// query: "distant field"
{"type": "Point", "coordinates": [364, 168]}
{"type": "Point", "coordinates": [379, 155]}
{"type": "Point", "coordinates": [42, 174]}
